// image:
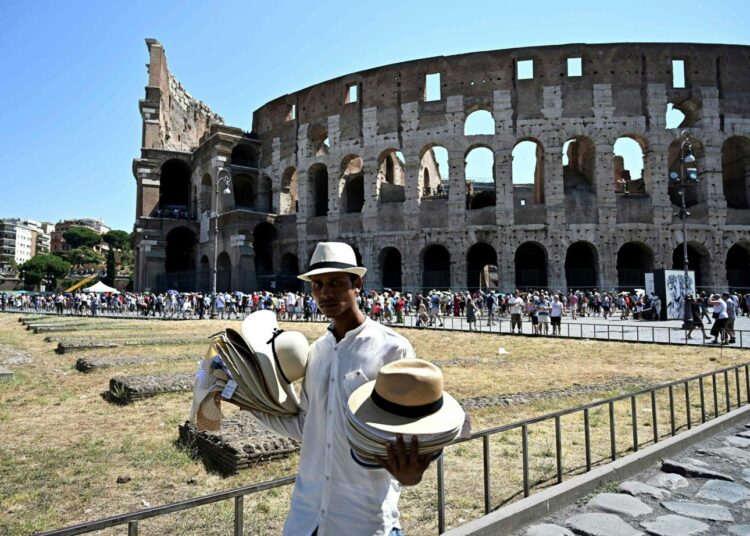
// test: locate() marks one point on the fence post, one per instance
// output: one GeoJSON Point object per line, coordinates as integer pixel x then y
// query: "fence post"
{"type": "Point", "coordinates": [634, 416]}
{"type": "Point", "coordinates": [525, 456]}
{"type": "Point", "coordinates": [239, 507]}
{"type": "Point", "coordinates": [655, 416]}
{"type": "Point", "coordinates": [486, 461]}
{"type": "Point", "coordinates": [612, 443]}
{"type": "Point", "coordinates": [441, 494]}
{"type": "Point", "coordinates": [558, 449]}
{"type": "Point", "coordinates": [133, 528]}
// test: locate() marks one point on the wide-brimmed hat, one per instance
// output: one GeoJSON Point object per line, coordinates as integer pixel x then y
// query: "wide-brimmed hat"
{"type": "Point", "coordinates": [333, 257]}
{"type": "Point", "coordinates": [407, 398]}
{"type": "Point", "coordinates": [281, 355]}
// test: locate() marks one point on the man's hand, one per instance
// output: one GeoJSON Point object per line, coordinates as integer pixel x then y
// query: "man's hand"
{"type": "Point", "coordinates": [406, 468]}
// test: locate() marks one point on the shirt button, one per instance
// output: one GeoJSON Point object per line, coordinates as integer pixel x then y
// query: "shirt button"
{"type": "Point", "coordinates": [328, 478]}
{"type": "Point", "coordinates": [330, 412]}
{"type": "Point", "coordinates": [329, 445]}
{"type": "Point", "coordinates": [331, 380]}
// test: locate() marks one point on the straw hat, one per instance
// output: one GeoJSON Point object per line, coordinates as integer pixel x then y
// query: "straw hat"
{"type": "Point", "coordinates": [407, 398]}
{"type": "Point", "coordinates": [281, 355]}
{"type": "Point", "coordinates": [333, 257]}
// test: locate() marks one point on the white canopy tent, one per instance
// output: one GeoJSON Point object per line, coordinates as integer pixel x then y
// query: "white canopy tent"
{"type": "Point", "coordinates": [100, 288]}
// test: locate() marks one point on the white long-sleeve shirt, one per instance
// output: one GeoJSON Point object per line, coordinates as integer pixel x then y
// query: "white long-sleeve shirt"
{"type": "Point", "coordinates": [332, 492]}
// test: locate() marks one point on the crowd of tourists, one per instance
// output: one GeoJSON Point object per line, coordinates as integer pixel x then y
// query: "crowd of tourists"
{"type": "Point", "coordinates": [541, 308]}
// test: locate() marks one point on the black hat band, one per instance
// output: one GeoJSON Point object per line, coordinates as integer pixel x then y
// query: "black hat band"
{"type": "Point", "coordinates": [406, 411]}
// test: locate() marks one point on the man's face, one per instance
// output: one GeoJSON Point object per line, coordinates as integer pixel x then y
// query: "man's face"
{"type": "Point", "coordinates": [335, 293]}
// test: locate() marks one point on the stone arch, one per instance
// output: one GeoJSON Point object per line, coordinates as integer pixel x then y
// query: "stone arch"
{"type": "Point", "coordinates": [287, 278]}
{"type": "Point", "coordinates": [628, 161]}
{"type": "Point", "coordinates": [735, 171]}
{"type": "Point", "coordinates": [245, 155]}
{"type": "Point", "coordinates": [264, 235]}
{"type": "Point", "coordinates": [634, 259]}
{"type": "Point", "coordinates": [264, 197]}
{"type": "Point", "coordinates": [244, 190]}
{"type": "Point", "coordinates": [699, 261]}
{"type": "Point", "coordinates": [433, 171]}
{"type": "Point", "coordinates": [695, 193]}
{"type": "Point", "coordinates": [288, 200]}
{"type": "Point", "coordinates": [223, 272]}
{"type": "Point", "coordinates": [478, 123]}
{"type": "Point", "coordinates": [352, 184]}
{"type": "Point", "coordinates": [478, 257]}
{"type": "Point", "coordinates": [738, 267]}
{"type": "Point", "coordinates": [391, 178]}
{"type": "Point", "coordinates": [436, 267]}
{"type": "Point", "coordinates": [479, 177]}
{"type": "Point", "coordinates": [581, 265]}
{"type": "Point", "coordinates": [317, 178]}
{"type": "Point", "coordinates": [204, 274]}
{"type": "Point", "coordinates": [174, 185]}
{"type": "Point", "coordinates": [579, 164]}
{"type": "Point", "coordinates": [319, 142]}
{"type": "Point", "coordinates": [180, 250]}
{"type": "Point", "coordinates": [527, 170]}
{"type": "Point", "coordinates": [531, 265]}
{"type": "Point", "coordinates": [391, 270]}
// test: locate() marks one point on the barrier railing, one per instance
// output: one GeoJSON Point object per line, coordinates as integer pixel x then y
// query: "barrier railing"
{"type": "Point", "coordinates": [739, 374]}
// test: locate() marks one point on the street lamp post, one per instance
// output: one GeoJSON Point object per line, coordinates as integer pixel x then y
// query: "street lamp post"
{"type": "Point", "coordinates": [223, 176]}
{"type": "Point", "coordinates": [688, 176]}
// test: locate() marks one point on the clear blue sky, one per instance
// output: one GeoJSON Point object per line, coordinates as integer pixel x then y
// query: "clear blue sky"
{"type": "Point", "coordinates": [73, 71]}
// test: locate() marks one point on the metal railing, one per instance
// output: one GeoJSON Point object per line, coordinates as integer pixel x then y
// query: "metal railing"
{"type": "Point", "coordinates": [739, 374]}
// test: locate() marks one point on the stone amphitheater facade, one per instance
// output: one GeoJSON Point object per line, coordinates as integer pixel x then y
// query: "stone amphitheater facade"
{"type": "Point", "coordinates": [354, 159]}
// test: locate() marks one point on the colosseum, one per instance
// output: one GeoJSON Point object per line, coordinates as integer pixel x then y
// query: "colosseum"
{"type": "Point", "coordinates": [381, 159]}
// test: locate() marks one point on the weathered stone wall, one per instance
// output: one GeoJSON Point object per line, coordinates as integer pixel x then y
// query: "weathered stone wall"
{"type": "Point", "coordinates": [624, 91]}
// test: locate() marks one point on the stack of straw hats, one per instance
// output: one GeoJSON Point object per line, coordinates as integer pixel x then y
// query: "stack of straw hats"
{"type": "Point", "coordinates": [407, 398]}
{"type": "Point", "coordinates": [253, 368]}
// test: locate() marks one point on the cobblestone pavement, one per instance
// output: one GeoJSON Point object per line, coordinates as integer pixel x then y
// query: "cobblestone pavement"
{"type": "Point", "coordinates": [704, 490]}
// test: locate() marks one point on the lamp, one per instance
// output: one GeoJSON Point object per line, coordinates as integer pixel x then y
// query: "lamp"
{"type": "Point", "coordinates": [688, 175]}
{"type": "Point", "coordinates": [223, 176]}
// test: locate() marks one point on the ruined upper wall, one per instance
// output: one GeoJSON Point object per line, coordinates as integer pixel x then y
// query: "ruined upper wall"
{"type": "Point", "coordinates": [629, 68]}
{"type": "Point", "coordinates": [172, 119]}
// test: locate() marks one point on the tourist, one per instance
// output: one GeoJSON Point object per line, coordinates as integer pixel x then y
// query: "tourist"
{"type": "Point", "coordinates": [696, 313]}
{"type": "Point", "coordinates": [555, 314]}
{"type": "Point", "coordinates": [516, 310]}
{"type": "Point", "coordinates": [333, 493]}
{"type": "Point", "coordinates": [720, 319]}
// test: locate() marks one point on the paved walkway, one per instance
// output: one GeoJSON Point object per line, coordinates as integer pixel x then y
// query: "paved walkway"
{"type": "Point", "coordinates": [705, 490]}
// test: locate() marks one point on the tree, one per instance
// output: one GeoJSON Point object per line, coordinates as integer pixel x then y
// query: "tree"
{"type": "Point", "coordinates": [109, 279]}
{"type": "Point", "coordinates": [41, 266]}
{"type": "Point", "coordinates": [117, 239]}
{"type": "Point", "coordinates": [84, 255]}
{"type": "Point", "coordinates": [79, 237]}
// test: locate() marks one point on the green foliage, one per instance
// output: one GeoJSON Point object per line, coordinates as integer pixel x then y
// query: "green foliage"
{"type": "Point", "coordinates": [84, 255]}
{"type": "Point", "coordinates": [79, 237]}
{"type": "Point", "coordinates": [117, 239]}
{"type": "Point", "coordinates": [109, 279]}
{"type": "Point", "coordinates": [41, 266]}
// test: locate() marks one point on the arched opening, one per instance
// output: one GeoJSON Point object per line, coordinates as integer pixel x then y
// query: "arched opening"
{"type": "Point", "coordinates": [627, 165]}
{"type": "Point", "coordinates": [223, 272]}
{"type": "Point", "coordinates": [174, 185]}
{"type": "Point", "coordinates": [579, 165]}
{"type": "Point", "coordinates": [245, 155]}
{"type": "Point", "coordinates": [204, 276]}
{"type": "Point", "coordinates": [698, 261]}
{"type": "Point", "coordinates": [683, 114]}
{"type": "Point", "coordinates": [391, 177]}
{"type": "Point", "coordinates": [289, 188]}
{"type": "Point", "coordinates": [480, 178]}
{"type": "Point", "coordinates": [581, 266]}
{"type": "Point", "coordinates": [287, 279]}
{"type": "Point", "coordinates": [633, 261]}
{"type": "Point", "coordinates": [264, 198]}
{"type": "Point", "coordinates": [433, 172]}
{"type": "Point", "coordinates": [205, 202]}
{"type": "Point", "coordinates": [390, 268]}
{"type": "Point", "coordinates": [695, 193]}
{"type": "Point", "coordinates": [352, 184]}
{"type": "Point", "coordinates": [436, 268]}
{"type": "Point", "coordinates": [527, 173]}
{"type": "Point", "coordinates": [180, 250]}
{"type": "Point", "coordinates": [481, 265]}
{"type": "Point", "coordinates": [479, 123]}
{"type": "Point", "coordinates": [319, 143]}
{"type": "Point", "coordinates": [735, 171]}
{"type": "Point", "coordinates": [244, 190]}
{"type": "Point", "coordinates": [738, 267]}
{"type": "Point", "coordinates": [263, 236]}
{"type": "Point", "coordinates": [531, 266]}
{"type": "Point", "coordinates": [318, 180]}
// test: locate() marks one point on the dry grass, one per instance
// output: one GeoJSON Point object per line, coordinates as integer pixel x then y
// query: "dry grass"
{"type": "Point", "coordinates": [63, 446]}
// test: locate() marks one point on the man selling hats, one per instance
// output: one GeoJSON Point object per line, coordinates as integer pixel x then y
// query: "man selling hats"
{"type": "Point", "coordinates": [334, 494]}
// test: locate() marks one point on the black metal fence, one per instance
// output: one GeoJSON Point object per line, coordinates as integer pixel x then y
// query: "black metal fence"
{"type": "Point", "coordinates": [727, 381]}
